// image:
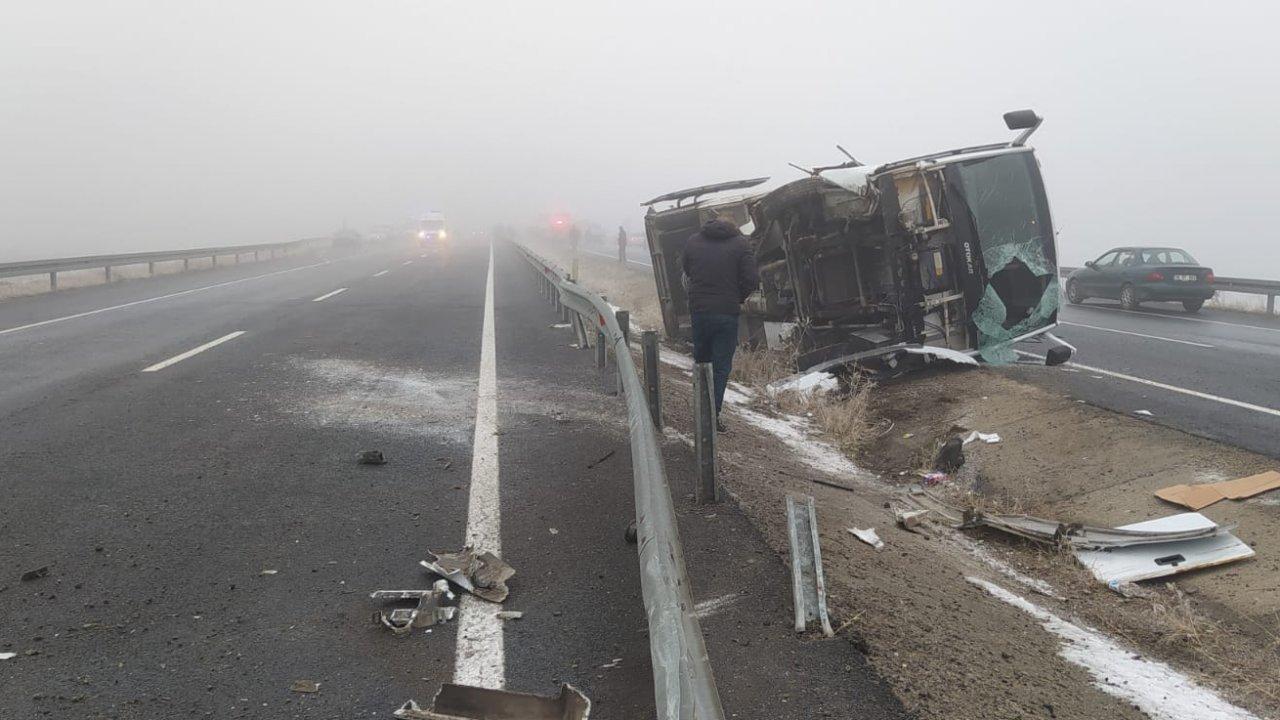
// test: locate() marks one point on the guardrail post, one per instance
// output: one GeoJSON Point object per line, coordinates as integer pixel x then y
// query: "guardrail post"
{"type": "Point", "coordinates": [624, 323]}
{"type": "Point", "coordinates": [601, 358]}
{"type": "Point", "coordinates": [237, 258]}
{"type": "Point", "coordinates": [108, 273]}
{"type": "Point", "coordinates": [1271, 304]}
{"type": "Point", "coordinates": [704, 436]}
{"type": "Point", "coordinates": [53, 281]}
{"type": "Point", "coordinates": [652, 390]}
{"type": "Point", "coordinates": [255, 256]}
{"type": "Point", "coordinates": [151, 268]}
{"type": "Point", "coordinates": [214, 258]}
{"type": "Point", "coordinates": [186, 264]}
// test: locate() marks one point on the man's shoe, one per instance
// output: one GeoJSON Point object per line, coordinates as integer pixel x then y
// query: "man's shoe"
{"type": "Point", "coordinates": [720, 425]}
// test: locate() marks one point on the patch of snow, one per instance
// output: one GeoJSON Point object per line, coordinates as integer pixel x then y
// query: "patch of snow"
{"type": "Point", "coordinates": [804, 385]}
{"type": "Point", "coordinates": [675, 359]}
{"type": "Point", "coordinates": [1152, 686]}
{"type": "Point", "coordinates": [974, 548]}
{"type": "Point", "coordinates": [794, 433]}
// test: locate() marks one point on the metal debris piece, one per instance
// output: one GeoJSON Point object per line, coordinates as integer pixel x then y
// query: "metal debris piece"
{"type": "Point", "coordinates": [911, 520]}
{"type": "Point", "coordinates": [808, 587]}
{"type": "Point", "coordinates": [429, 611]}
{"type": "Point", "coordinates": [371, 457]}
{"type": "Point", "coordinates": [510, 614]}
{"type": "Point", "coordinates": [1084, 537]}
{"type": "Point", "coordinates": [462, 702]}
{"type": "Point", "coordinates": [269, 572]}
{"type": "Point", "coordinates": [8, 656]}
{"type": "Point", "coordinates": [305, 686]}
{"type": "Point", "coordinates": [36, 574]}
{"type": "Point", "coordinates": [1122, 565]}
{"type": "Point", "coordinates": [867, 536]}
{"type": "Point", "coordinates": [484, 575]}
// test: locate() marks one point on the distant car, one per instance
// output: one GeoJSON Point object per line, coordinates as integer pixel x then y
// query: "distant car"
{"type": "Point", "coordinates": [1134, 275]}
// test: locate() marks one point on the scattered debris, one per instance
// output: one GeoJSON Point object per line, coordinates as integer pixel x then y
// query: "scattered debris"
{"type": "Point", "coordinates": [560, 326]}
{"type": "Point", "coordinates": [1196, 497]}
{"type": "Point", "coordinates": [632, 534]}
{"type": "Point", "coordinates": [942, 353]}
{"type": "Point", "coordinates": [808, 586]}
{"type": "Point", "coordinates": [1087, 537]}
{"type": "Point", "coordinates": [868, 536]}
{"type": "Point", "coordinates": [611, 664]}
{"type": "Point", "coordinates": [553, 531]}
{"type": "Point", "coordinates": [1144, 413]}
{"type": "Point", "coordinates": [950, 456]}
{"type": "Point", "coordinates": [462, 702]}
{"type": "Point", "coordinates": [601, 459]}
{"type": "Point", "coordinates": [1128, 564]}
{"type": "Point", "coordinates": [269, 572]}
{"type": "Point", "coordinates": [8, 656]}
{"type": "Point", "coordinates": [911, 520]}
{"type": "Point", "coordinates": [430, 610]}
{"type": "Point", "coordinates": [988, 438]}
{"type": "Point", "coordinates": [1129, 589]}
{"type": "Point", "coordinates": [371, 457]}
{"type": "Point", "coordinates": [36, 574]}
{"type": "Point", "coordinates": [510, 614]}
{"type": "Point", "coordinates": [305, 686]}
{"type": "Point", "coordinates": [484, 575]}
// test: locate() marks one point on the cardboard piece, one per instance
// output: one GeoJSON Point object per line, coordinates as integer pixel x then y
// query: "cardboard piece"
{"type": "Point", "coordinates": [1202, 496]}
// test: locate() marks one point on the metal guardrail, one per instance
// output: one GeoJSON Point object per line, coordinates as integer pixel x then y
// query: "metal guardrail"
{"type": "Point", "coordinates": [55, 266]}
{"type": "Point", "coordinates": [1248, 286]}
{"type": "Point", "coordinates": [683, 684]}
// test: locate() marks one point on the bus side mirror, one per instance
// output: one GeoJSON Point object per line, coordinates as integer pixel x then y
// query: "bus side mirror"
{"type": "Point", "coordinates": [1025, 120]}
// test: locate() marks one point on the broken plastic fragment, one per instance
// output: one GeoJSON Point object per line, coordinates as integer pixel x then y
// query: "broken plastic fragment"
{"type": "Point", "coordinates": [462, 702]}
{"type": "Point", "coordinates": [1144, 413]}
{"type": "Point", "coordinates": [8, 656]}
{"type": "Point", "coordinates": [868, 536]}
{"type": "Point", "coordinates": [305, 686]}
{"type": "Point", "coordinates": [483, 575]}
{"type": "Point", "coordinates": [988, 438]}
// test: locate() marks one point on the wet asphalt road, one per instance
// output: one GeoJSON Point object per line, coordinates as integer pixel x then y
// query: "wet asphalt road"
{"type": "Point", "coordinates": [210, 538]}
{"type": "Point", "coordinates": [1212, 374]}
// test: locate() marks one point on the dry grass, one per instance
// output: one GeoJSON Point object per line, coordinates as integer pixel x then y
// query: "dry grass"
{"type": "Point", "coordinates": [757, 367]}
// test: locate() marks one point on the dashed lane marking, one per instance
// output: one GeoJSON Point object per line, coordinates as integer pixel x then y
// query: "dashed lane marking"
{"type": "Point", "coordinates": [193, 351]}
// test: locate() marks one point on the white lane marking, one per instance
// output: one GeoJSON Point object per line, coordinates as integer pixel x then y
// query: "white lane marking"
{"type": "Point", "coordinates": [1179, 317]}
{"type": "Point", "coordinates": [193, 351]}
{"type": "Point", "coordinates": [407, 262]}
{"type": "Point", "coordinates": [480, 657]}
{"type": "Point", "coordinates": [328, 295]}
{"type": "Point", "coordinates": [1166, 386]}
{"type": "Point", "coordinates": [122, 306]}
{"type": "Point", "coordinates": [1135, 334]}
{"type": "Point", "coordinates": [381, 273]}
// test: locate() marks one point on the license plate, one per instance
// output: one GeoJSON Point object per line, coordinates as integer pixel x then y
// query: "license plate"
{"type": "Point", "coordinates": [1185, 278]}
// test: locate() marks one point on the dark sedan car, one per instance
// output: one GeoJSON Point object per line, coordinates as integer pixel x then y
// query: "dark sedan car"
{"type": "Point", "coordinates": [1136, 274]}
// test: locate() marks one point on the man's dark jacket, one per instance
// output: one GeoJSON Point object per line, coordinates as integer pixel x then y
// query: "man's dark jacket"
{"type": "Point", "coordinates": [720, 269]}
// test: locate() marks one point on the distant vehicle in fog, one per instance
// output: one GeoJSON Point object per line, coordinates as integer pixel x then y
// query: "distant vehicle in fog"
{"type": "Point", "coordinates": [1134, 275]}
{"type": "Point", "coordinates": [431, 229]}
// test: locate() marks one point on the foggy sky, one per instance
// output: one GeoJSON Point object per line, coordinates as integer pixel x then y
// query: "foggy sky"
{"type": "Point", "coordinates": [130, 125]}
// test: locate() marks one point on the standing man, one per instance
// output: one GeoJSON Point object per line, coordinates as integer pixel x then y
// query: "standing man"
{"type": "Point", "coordinates": [719, 273]}
{"type": "Point", "coordinates": [622, 245]}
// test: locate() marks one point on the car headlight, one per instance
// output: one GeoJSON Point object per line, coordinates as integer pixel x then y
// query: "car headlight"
{"type": "Point", "coordinates": [422, 234]}
{"type": "Point", "coordinates": [442, 234]}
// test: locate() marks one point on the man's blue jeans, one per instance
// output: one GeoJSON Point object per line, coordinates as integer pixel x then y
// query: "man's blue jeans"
{"type": "Point", "coordinates": [715, 339]}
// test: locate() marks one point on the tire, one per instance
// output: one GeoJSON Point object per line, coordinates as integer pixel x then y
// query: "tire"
{"type": "Point", "coordinates": [1192, 306]}
{"type": "Point", "coordinates": [1073, 293]}
{"type": "Point", "coordinates": [1129, 298]}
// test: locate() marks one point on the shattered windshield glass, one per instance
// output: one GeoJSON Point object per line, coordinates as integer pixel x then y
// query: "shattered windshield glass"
{"type": "Point", "coordinates": [1004, 198]}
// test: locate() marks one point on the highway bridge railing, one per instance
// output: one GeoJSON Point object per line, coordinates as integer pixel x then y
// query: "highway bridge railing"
{"type": "Point", "coordinates": [1248, 286]}
{"type": "Point", "coordinates": [107, 262]}
{"type": "Point", "coordinates": [683, 684]}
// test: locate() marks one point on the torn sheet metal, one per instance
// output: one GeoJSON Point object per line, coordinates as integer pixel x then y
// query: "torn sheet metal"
{"type": "Point", "coordinates": [430, 610]}
{"type": "Point", "coordinates": [484, 575]}
{"type": "Point", "coordinates": [1117, 566]}
{"type": "Point", "coordinates": [808, 586]}
{"type": "Point", "coordinates": [463, 702]}
{"type": "Point", "coordinates": [1081, 536]}
{"type": "Point", "coordinates": [941, 353]}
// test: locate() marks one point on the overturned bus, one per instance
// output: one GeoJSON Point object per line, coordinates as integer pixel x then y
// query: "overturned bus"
{"type": "Point", "coordinates": [950, 254]}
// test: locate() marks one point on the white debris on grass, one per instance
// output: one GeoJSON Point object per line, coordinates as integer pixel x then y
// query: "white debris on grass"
{"type": "Point", "coordinates": [868, 536]}
{"type": "Point", "coordinates": [1153, 687]}
{"type": "Point", "coordinates": [988, 438]}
